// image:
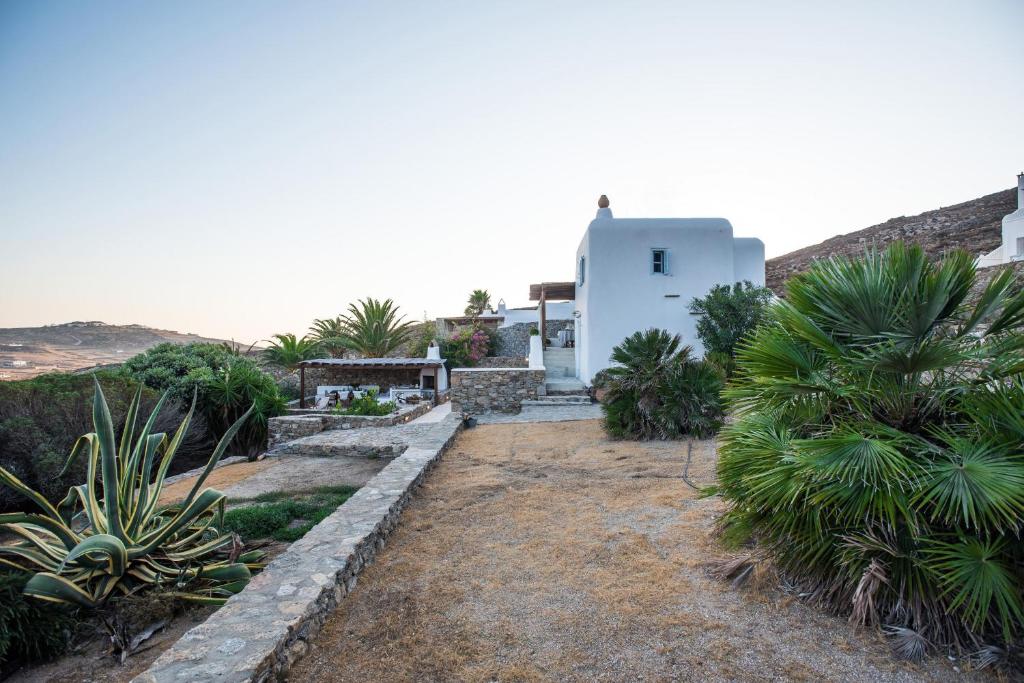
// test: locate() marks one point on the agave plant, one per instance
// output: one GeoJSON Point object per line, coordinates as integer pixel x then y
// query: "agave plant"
{"type": "Point", "coordinates": [656, 390]}
{"type": "Point", "coordinates": [878, 450]}
{"type": "Point", "coordinates": [118, 540]}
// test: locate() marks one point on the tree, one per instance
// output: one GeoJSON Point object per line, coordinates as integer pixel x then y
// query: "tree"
{"type": "Point", "coordinates": [328, 333]}
{"type": "Point", "coordinates": [657, 391]}
{"type": "Point", "coordinates": [728, 313]}
{"type": "Point", "coordinates": [479, 301]}
{"type": "Point", "coordinates": [288, 351]}
{"type": "Point", "coordinates": [877, 449]}
{"type": "Point", "coordinates": [373, 328]}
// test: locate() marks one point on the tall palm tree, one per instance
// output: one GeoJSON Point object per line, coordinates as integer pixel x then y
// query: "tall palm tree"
{"type": "Point", "coordinates": [288, 351]}
{"type": "Point", "coordinates": [479, 301]}
{"type": "Point", "coordinates": [327, 332]}
{"type": "Point", "coordinates": [374, 328]}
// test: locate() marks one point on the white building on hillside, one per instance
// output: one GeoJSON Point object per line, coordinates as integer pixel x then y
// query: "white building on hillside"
{"type": "Point", "coordinates": [637, 273]}
{"type": "Point", "coordinates": [1012, 248]}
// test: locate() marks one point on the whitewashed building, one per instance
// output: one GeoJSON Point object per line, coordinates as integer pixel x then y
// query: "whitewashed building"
{"type": "Point", "coordinates": [637, 273]}
{"type": "Point", "coordinates": [1012, 248]}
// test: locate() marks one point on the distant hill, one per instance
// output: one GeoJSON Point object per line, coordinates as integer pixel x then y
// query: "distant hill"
{"type": "Point", "coordinates": [29, 351]}
{"type": "Point", "coordinates": [975, 226]}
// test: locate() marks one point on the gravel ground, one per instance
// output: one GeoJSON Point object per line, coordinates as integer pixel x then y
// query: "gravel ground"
{"type": "Point", "coordinates": [544, 551]}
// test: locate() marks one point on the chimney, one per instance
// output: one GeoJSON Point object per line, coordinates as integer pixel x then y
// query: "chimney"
{"type": "Point", "coordinates": [433, 351]}
{"type": "Point", "coordinates": [602, 207]}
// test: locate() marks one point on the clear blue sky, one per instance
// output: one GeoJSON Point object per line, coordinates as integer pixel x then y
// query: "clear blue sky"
{"type": "Point", "coordinates": [237, 169]}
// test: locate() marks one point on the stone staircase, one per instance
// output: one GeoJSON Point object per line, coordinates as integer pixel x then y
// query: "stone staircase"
{"type": "Point", "coordinates": [560, 376]}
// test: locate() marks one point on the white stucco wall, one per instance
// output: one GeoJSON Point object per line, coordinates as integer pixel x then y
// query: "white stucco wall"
{"type": "Point", "coordinates": [554, 310]}
{"type": "Point", "coordinates": [621, 295]}
{"type": "Point", "coordinates": [1013, 227]}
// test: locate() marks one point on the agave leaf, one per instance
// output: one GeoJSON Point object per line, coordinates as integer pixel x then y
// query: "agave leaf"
{"type": "Point", "coordinates": [218, 452]}
{"type": "Point", "coordinates": [149, 542]}
{"type": "Point", "coordinates": [53, 588]}
{"type": "Point", "coordinates": [27, 558]}
{"type": "Point", "coordinates": [123, 451]}
{"type": "Point", "coordinates": [66, 536]}
{"type": "Point", "coordinates": [101, 550]}
{"type": "Point", "coordinates": [108, 462]}
{"type": "Point", "coordinates": [13, 482]}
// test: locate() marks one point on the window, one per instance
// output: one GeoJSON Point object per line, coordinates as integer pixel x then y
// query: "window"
{"type": "Point", "coordinates": [659, 261]}
{"type": "Point", "coordinates": [1020, 246]}
{"type": "Point", "coordinates": [583, 271]}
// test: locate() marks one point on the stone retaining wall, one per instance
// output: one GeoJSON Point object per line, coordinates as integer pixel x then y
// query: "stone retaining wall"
{"type": "Point", "coordinates": [261, 632]}
{"type": "Point", "coordinates": [502, 390]}
{"type": "Point", "coordinates": [306, 423]}
{"type": "Point", "coordinates": [502, 362]}
{"type": "Point", "coordinates": [514, 340]}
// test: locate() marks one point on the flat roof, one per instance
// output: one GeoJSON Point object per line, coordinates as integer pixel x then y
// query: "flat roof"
{"type": "Point", "coordinates": [373, 363]}
{"type": "Point", "coordinates": [554, 290]}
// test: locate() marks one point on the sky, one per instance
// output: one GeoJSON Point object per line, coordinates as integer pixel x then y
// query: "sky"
{"type": "Point", "coordinates": [237, 169]}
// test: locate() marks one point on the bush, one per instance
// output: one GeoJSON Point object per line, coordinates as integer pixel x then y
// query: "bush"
{"type": "Point", "coordinates": [40, 419]}
{"type": "Point", "coordinates": [274, 516]}
{"type": "Point", "coordinates": [368, 405]}
{"type": "Point", "coordinates": [225, 385]}
{"type": "Point", "coordinates": [466, 347]}
{"type": "Point", "coordinates": [656, 391]}
{"type": "Point", "coordinates": [729, 313]}
{"type": "Point", "coordinates": [877, 454]}
{"type": "Point", "coordinates": [30, 630]}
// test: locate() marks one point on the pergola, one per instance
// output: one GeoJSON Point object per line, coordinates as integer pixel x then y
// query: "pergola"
{"type": "Point", "coordinates": [369, 365]}
{"type": "Point", "coordinates": [550, 291]}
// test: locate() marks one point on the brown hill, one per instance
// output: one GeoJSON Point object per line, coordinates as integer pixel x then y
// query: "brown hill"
{"type": "Point", "coordinates": [974, 225]}
{"type": "Point", "coordinates": [29, 351]}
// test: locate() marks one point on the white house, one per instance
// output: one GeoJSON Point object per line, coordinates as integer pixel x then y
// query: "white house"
{"type": "Point", "coordinates": [1012, 248]}
{"type": "Point", "coordinates": [637, 273]}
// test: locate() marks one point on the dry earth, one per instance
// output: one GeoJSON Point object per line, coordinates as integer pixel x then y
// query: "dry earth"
{"type": "Point", "coordinates": [539, 552]}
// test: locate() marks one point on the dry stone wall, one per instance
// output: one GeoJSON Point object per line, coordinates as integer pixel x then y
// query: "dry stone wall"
{"type": "Point", "coordinates": [501, 390]}
{"type": "Point", "coordinates": [514, 340]}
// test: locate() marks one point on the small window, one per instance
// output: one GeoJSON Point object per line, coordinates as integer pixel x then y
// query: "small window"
{"type": "Point", "coordinates": [583, 270]}
{"type": "Point", "coordinates": [1020, 246]}
{"type": "Point", "coordinates": [659, 261]}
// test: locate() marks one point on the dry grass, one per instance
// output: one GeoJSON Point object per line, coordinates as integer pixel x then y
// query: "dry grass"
{"type": "Point", "coordinates": [220, 478]}
{"type": "Point", "coordinates": [538, 552]}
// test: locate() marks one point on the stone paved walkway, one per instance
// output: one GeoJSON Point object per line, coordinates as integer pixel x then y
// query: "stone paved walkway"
{"type": "Point", "coordinates": [564, 413]}
{"type": "Point", "coordinates": [547, 552]}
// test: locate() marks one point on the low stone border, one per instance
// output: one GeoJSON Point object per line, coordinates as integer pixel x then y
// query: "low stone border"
{"type": "Point", "coordinates": [261, 632]}
{"type": "Point", "coordinates": [500, 390]}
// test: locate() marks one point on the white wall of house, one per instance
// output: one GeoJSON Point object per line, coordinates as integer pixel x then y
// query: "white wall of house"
{"type": "Point", "coordinates": [620, 293]}
{"type": "Point", "coordinates": [554, 310]}
{"type": "Point", "coordinates": [1012, 248]}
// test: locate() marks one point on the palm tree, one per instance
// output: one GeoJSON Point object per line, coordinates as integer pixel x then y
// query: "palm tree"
{"type": "Point", "coordinates": [288, 351]}
{"type": "Point", "coordinates": [327, 332]}
{"type": "Point", "coordinates": [657, 390]}
{"type": "Point", "coordinates": [877, 449]}
{"type": "Point", "coordinates": [479, 301]}
{"type": "Point", "coordinates": [373, 328]}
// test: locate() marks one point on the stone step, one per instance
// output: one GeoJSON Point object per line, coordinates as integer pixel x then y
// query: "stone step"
{"type": "Point", "coordinates": [567, 385]}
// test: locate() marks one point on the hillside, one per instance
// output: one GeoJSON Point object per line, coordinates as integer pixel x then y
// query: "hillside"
{"type": "Point", "coordinates": [29, 351]}
{"type": "Point", "coordinates": [973, 225]}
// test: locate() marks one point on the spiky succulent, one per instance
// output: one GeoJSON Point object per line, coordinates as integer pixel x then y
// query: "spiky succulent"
{"type": "Point", "coordinates": [878, 450]}
{"type": "Point", "coordinates": [118, 539]}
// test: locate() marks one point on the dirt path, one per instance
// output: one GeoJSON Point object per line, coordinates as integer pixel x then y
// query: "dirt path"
{"type": "Point", "coordinates": [546, 552]}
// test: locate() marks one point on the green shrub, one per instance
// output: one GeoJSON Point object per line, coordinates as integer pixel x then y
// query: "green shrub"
{"type": "Point", "coordinates": [729, 313]}
{"type": "Point", "coordinates": [30, 630]}
{"type": "Point", "coordinates": [656, 391]}
{"type": "Point", "coordinates": [226, 385]}
{"type": "Point", "coordinates": [878, 454]}
{"type": "Point", "coordinates": [40, 419]}
{"type": "Point", "coordinates": [275, 513]}
{"type": "Point", "coordinates": [368, 405]}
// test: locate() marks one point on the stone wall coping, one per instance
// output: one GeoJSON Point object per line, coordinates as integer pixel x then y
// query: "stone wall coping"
{"type": "Point", "coordinates": [262, 631]}
{"type": "Point", "coordinates": [491, 369]}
